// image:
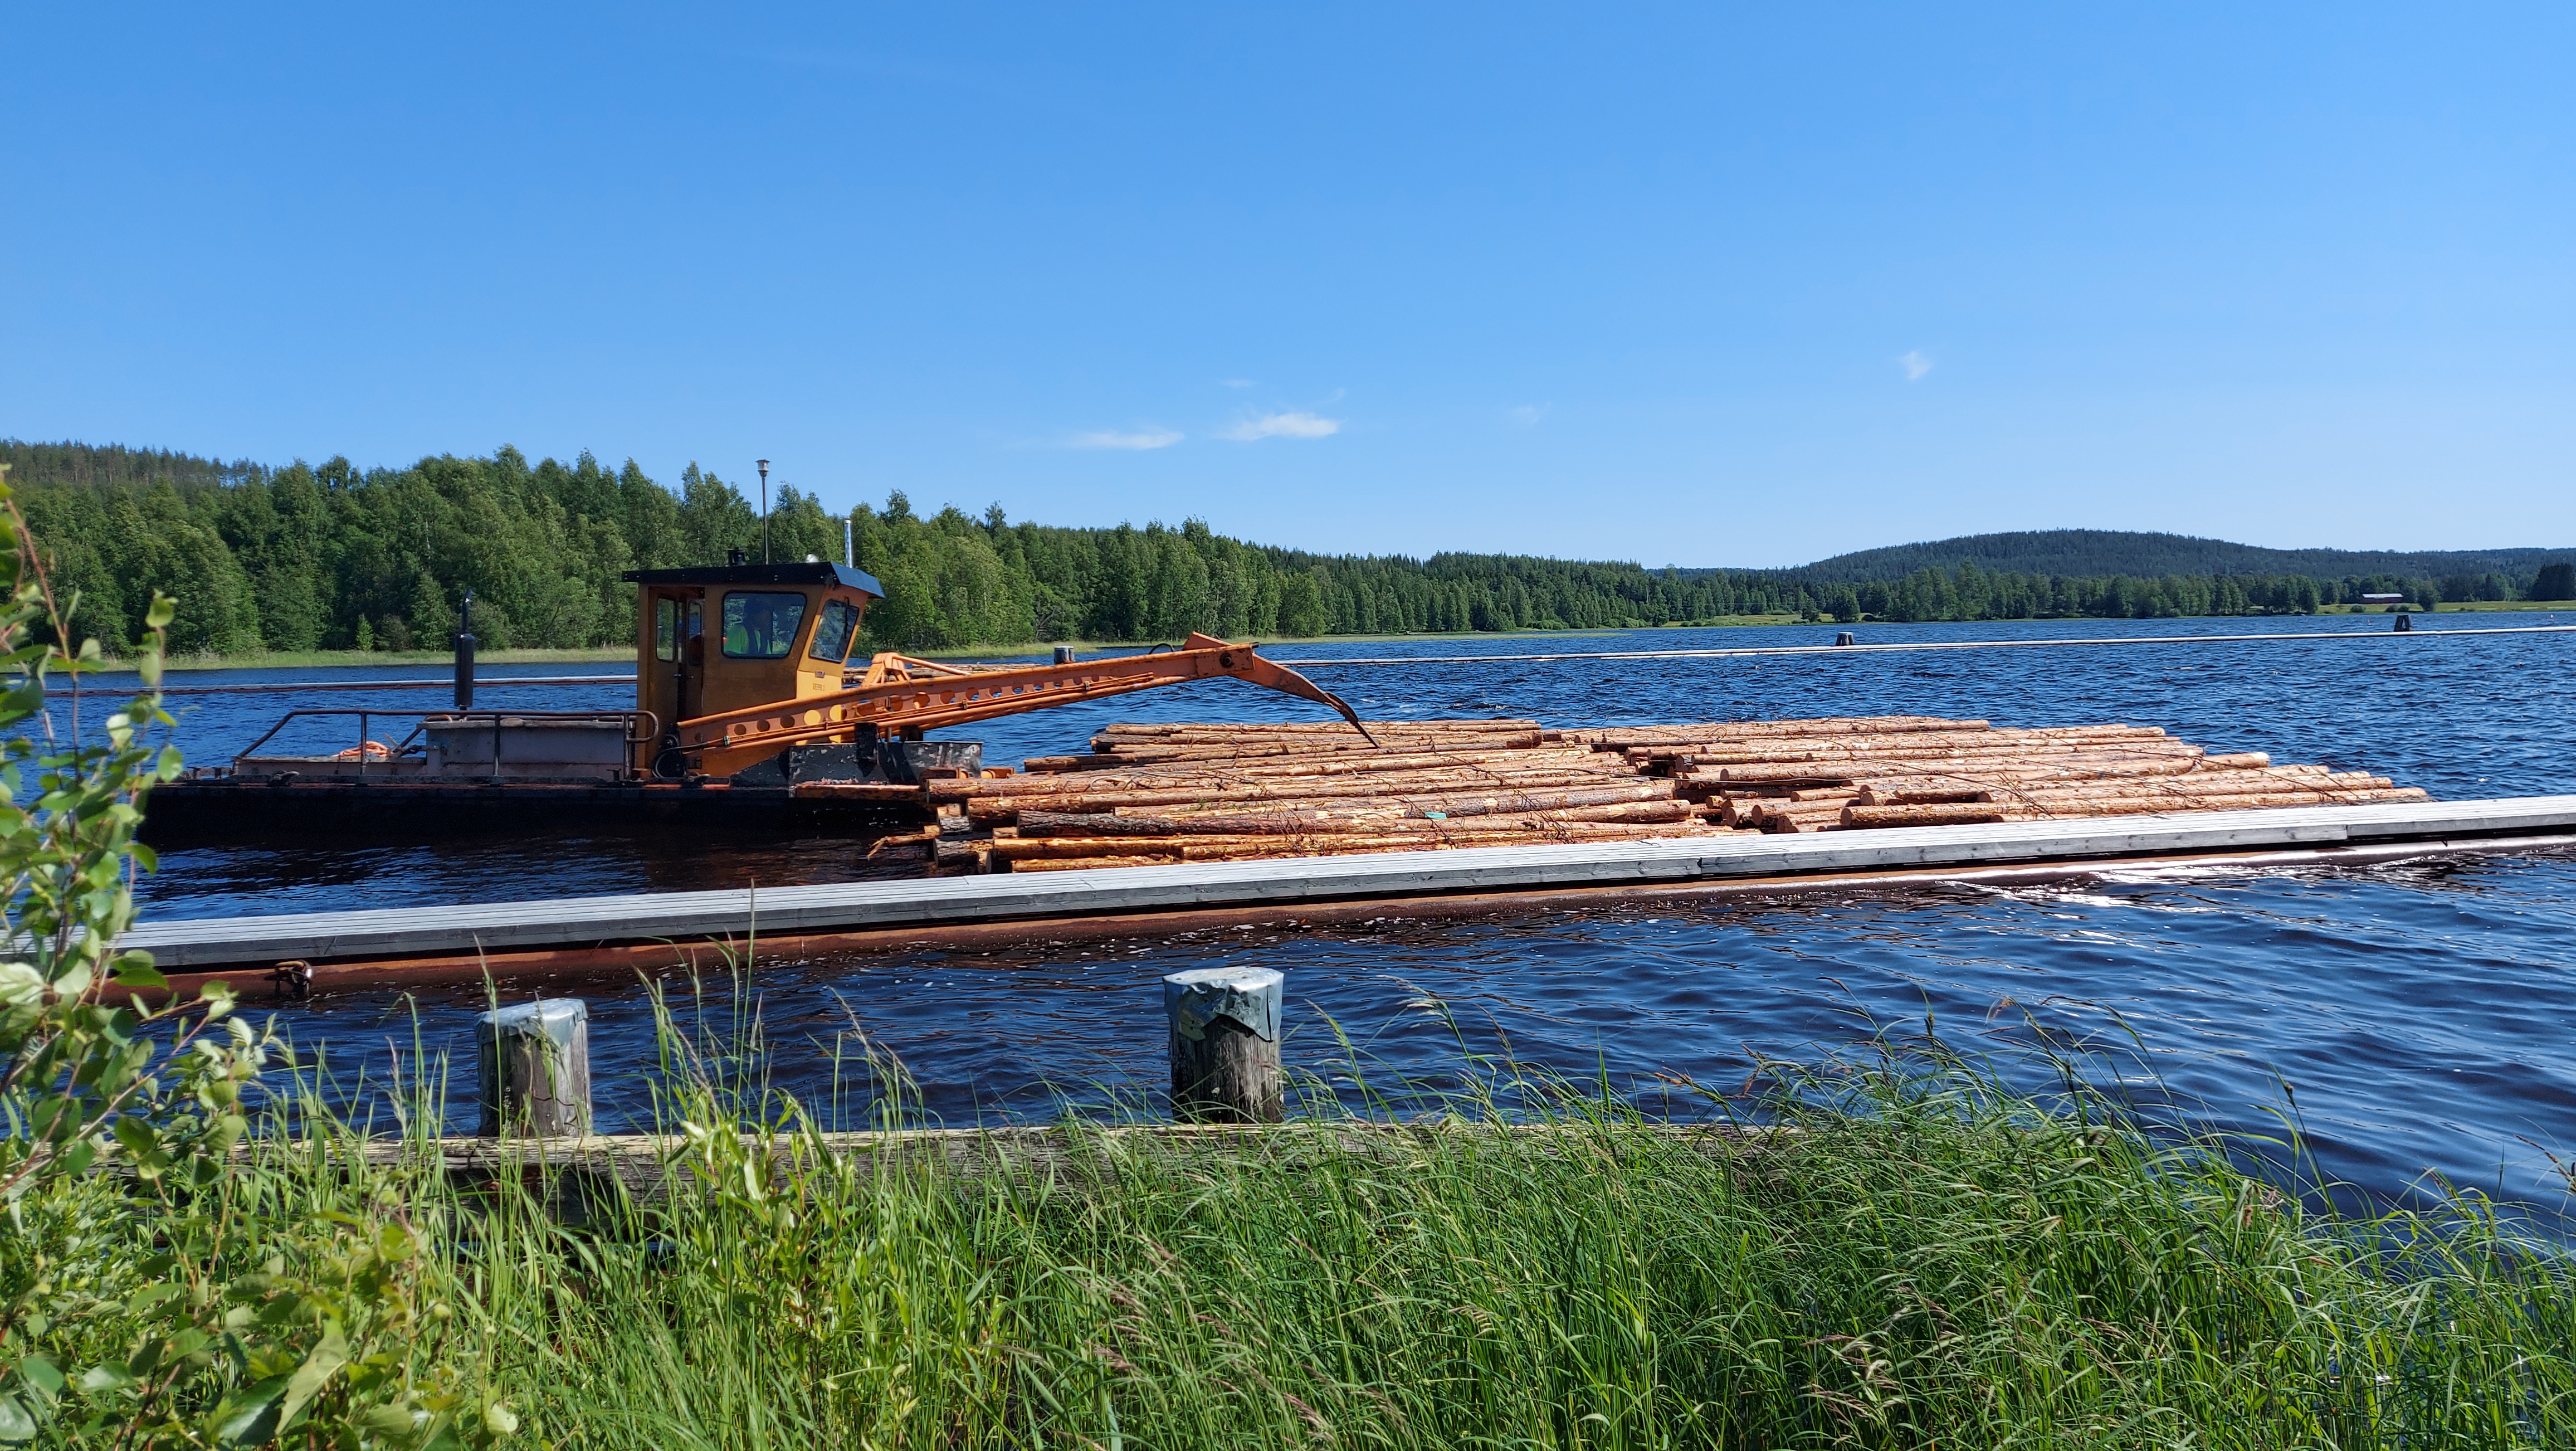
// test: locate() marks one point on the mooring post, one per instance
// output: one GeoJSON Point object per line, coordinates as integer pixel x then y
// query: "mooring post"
{"type": "Point", "coordinates": [535, 1060]}
{"type": "Point", "coordinates": [1225, 1044]}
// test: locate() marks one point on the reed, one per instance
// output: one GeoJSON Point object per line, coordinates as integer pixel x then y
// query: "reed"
{"type": "Point", "coordinates": [1912, 1258]}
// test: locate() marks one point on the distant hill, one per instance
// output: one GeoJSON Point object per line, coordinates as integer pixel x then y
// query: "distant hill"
{"type": "Point", "coordinates": [2093, 553]}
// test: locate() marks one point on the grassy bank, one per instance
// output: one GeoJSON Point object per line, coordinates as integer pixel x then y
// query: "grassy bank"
{"type": "Point", "coordinates": [313, 659]}
{"type": "Point", "coordinates": [310, 659]}
{"type": "Point", "coordinates": [1945, 1267]}
{"type": "Point", "coordinates": [2460, 607]}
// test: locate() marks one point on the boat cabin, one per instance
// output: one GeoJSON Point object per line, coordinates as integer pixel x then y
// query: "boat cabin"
{"type": "Point", "coordinates": [724, 637]}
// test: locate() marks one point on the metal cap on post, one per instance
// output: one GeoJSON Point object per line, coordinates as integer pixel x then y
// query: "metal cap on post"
{"type": "Point", "coordinates": [1064, 654]}
{"type": "Point", "coordinates": [465, 653]}
{"type": "Point", "coordinates": [764, 510]}
{"type": "Point", "coordinates": [1224, 1025]}
{"type": "Point", "coordinates": [535, 1062]}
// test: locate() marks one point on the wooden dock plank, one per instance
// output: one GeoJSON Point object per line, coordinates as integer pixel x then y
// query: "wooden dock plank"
{"type": "Point", "coordinates": [690, 916]}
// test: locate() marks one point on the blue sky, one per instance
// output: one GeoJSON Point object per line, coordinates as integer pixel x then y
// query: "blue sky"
{"type": "Point", "coordinates": [1684, 285]}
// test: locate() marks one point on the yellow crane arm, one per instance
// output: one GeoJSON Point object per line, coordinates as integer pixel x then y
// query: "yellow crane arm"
{"type": "Point", "coordinates": [947, 696]}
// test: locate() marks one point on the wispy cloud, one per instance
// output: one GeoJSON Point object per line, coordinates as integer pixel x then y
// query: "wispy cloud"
{"type": "Point", "coordinates": [1915, 364]}
{"type": "Point", "coordinates": [1528, 414]}
{"type": "Point", "coordinates": [1284, 425]}
{"type": "Point", "coordinates": [1141, 439]}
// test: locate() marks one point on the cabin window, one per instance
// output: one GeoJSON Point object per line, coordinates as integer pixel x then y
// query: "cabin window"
{"type": "Point", "coordinates": [761, 626]}
{"type": "Point", "coordinates": [666, 628]}
{"type": "Point", "coordinates": [833, 632]}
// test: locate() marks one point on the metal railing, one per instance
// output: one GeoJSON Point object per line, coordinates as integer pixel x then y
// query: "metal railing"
{"type": "Point", "coordinates": [642, 727]}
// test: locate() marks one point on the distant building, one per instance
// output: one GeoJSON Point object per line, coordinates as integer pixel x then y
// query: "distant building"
{"type": "Point", "coordinates": [2383, 599]}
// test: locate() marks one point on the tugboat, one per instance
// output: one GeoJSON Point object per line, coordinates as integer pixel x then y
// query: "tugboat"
{"type": "Point", "coordinates": [745, 691]}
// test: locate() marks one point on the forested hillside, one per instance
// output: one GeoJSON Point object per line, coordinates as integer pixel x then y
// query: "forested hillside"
{"type": "Point", "coordinates": [332, 557]}
{"type": "Point", "coordinates": [2100, 553]}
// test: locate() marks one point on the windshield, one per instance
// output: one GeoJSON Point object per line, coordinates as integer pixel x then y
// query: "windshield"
{"type": "Point", "coordinates": [832, 633]}
{"type": "Point", "coordinates": [761, 626]}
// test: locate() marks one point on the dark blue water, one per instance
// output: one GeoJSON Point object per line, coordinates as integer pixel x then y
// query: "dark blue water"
{"type": "Point", "coordinates": [2412, 1020]}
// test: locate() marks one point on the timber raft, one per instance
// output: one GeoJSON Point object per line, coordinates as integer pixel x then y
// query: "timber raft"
{"type": "Point", "coordinates": [1169, 828]}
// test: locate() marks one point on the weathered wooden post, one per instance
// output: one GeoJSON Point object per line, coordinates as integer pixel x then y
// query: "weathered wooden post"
{"type": "Point", "coordinates": [535, 1060]}
{"type": "Point", "coordinates": [1225, 1044]}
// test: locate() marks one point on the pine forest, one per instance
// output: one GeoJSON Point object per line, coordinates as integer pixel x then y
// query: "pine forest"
{"type": "Point", "coordinates": [307, 557]}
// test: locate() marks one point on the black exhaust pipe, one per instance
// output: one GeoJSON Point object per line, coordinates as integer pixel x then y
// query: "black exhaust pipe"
{"type": "Point", "coordinates": [465, 653]}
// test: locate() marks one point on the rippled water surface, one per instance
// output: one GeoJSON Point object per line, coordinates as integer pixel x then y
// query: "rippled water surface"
{"type": "Point", "coordinates": [2413, 1019]}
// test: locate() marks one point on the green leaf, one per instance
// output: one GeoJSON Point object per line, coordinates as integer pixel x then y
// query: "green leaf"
{"type": "Point", "coordinates": [16, 1422]}
{"type": "Point", "coordinates": [135, 970]}
{"type": "Point", "coordinates": [137, 1137]}
{"type": "Point", "coordinates": [314, 1373]}
{"type": "Point", "coordinates": [41, 1373]}
{"type": "Point", "coordinates": [107, 1375]}
{"type": "Point", "coordinates": [249, 1417]}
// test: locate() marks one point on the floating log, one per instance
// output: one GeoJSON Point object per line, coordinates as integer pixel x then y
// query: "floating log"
{"type": "Point", "coordinates": [1607, 820]}
{"type": "Point", "coordinates": [1925, 813]}
{"type": "Point", "coordinates": [1235, 730]}
{"type": "Point", "coordinates": [1612, 737]}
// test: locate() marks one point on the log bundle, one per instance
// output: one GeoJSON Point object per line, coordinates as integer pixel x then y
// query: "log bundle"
{"type": "Point", "coordinates": [1880, 771]}
{"type": "Point", "coordinates": [1216, 791]}
{"type": "Point", "coordinates": [1221, 792]}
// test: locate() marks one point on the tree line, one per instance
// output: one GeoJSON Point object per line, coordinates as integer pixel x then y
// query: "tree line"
{"type": "Point", "coordinates": [309, 557]}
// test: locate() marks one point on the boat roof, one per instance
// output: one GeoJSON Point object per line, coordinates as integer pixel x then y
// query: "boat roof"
{"type": "Point", "coordinates": [800, 572]}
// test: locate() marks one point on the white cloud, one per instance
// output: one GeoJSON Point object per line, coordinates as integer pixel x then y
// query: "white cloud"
{"type": "Point", "coordinates": [1141, 439]}
{"type": "Point", "coordinates": [1528, 414]}
{"type": "Point", "coordinates": [1915, 364]}
{"type": "Point", "coordinates": [1284, 425]}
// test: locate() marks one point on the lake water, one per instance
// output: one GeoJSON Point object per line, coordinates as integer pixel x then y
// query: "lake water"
{"type": "Point", "coordinates": [2413, 1020]}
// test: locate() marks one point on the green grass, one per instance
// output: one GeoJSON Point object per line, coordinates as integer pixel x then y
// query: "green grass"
{"type": "Point", "coordinates": [1936, 1264]}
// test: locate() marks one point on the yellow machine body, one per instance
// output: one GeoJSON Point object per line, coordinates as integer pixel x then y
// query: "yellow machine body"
{"type": "Point", "coordinates": [725, 638]}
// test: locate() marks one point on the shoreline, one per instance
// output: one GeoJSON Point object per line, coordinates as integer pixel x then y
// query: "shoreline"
{"type": "Point", "coordinates": [349, 659]}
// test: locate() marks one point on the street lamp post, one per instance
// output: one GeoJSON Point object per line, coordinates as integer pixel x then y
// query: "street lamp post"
{"type": "Point", "coordinates": [764, 509]}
